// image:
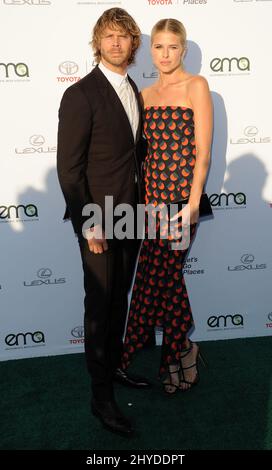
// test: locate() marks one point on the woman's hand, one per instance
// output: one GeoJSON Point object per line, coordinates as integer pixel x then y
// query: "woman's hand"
{"type": "Point", "coordinates": [189, 215]}
{"type": "Point", "coordinates": [194, 213]}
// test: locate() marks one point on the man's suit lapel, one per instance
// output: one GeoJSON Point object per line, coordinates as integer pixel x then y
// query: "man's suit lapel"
{"type": "Point", "coordinates": [135, 89]}
{"type": "Point", "coordinates": [113, 100]}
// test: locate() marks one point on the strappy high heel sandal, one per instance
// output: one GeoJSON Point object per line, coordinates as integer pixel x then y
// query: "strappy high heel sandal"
{"type": "Point", "coordinates": [185, 384]}
{"type": "Point", "coordinates": [170, 388]}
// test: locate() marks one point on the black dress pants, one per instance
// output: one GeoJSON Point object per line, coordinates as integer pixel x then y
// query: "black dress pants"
{"type": "Point", "coordinates": [107, 281]}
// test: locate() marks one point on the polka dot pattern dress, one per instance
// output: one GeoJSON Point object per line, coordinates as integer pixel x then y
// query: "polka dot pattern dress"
{"type": "Point", "coordinates": [159, 296]}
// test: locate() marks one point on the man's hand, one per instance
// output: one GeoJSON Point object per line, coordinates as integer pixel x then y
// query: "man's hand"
{"type": "Point", "coordinates": [96, 240]}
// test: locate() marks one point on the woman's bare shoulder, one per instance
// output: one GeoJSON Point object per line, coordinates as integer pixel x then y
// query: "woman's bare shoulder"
{"type": "Point", "coordinates": [198, 82]}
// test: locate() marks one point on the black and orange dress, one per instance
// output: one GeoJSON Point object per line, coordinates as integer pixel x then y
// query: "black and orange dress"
{"type": "Point", "coordinates": [159, 296]}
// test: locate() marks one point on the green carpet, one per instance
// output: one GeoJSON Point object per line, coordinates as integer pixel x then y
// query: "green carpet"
{"type": "Point", "coordinates": [45, 403]}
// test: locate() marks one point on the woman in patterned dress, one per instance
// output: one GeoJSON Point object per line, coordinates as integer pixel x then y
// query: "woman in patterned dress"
{"type": "Point", "coordinates": [178, 129]}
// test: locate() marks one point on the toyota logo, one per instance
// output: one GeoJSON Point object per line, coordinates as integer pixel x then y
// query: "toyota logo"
{"type": "Point", "coordinates": [68, 68]}
{"type": "Point", "coordinates": [78, 332]}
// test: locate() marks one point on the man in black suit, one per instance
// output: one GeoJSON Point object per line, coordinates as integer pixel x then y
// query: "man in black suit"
{"type": "Point", "coordinates": [99, 154]}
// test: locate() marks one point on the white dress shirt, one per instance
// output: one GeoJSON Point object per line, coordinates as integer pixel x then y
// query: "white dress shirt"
{"type": "Point", "coordinates": [126, 94]}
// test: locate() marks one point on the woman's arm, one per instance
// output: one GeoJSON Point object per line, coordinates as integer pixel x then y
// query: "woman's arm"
{"type": "Point", "coordinates": [200, 98]}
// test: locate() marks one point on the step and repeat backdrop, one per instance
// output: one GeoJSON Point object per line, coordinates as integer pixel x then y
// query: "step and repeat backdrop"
{"type": "Point", "coordinates": [43, 50]}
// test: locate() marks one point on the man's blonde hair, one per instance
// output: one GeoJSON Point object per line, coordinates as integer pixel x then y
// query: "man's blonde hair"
{"type": "Point", "coordinates": [116, 18]}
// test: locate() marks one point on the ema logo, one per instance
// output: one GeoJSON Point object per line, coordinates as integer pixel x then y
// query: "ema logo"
{"type": "Point", "coordinates": [12, 70]}
{"type": "Point", "coordinates": [20, 213]}
{"type": "Point", "coordinates": [228, 201]}
{"type": "Point", "coordinates": [24, 340]}
{"type": "Point", "coordinates": [225, 322]}
{"type": "Point", "coordinates": [229, 66]}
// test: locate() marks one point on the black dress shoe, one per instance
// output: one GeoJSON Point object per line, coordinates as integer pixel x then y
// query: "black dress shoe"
{"type": "Point", "coordinates": [111, 417]}
{"type": "Point", "coordinates": [133, 381]}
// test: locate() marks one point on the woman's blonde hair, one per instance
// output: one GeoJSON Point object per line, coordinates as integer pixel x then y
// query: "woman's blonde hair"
{"type": "Point", "coordinates": [171, 25]}
{"type": "Point", "coordinates": [116, 18]}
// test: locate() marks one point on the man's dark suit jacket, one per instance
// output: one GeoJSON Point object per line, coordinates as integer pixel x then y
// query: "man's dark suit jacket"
{"type": "Point", "coordinates": [97, 154]}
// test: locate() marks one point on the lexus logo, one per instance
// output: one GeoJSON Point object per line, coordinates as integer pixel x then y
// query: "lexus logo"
{"type": "Point", "coordinates": [37, 140]}
{"type": "Point", "coordinates": [68, 68]}
{"type": "Point", "coordinates": [247, 259]}
{"type": "Point", "coordinates": [251, 131]}
{"type": "Point", "coordinates": [44, 273]}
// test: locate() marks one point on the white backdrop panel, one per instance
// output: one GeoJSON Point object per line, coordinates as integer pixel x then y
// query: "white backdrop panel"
{"type": "Point", "coordinates": [44, 49]}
